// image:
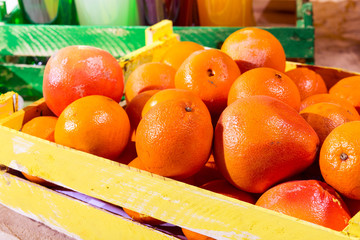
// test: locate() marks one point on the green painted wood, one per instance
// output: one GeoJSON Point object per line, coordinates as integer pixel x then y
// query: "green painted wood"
{"type": "Point", "coordinates": [44, 40]}
{"type": "Point", "coordinates": [23, 79]}
{"type": "Point", "coordinates": [22, 46]}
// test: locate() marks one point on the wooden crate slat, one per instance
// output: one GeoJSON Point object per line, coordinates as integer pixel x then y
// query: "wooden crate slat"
{"type": "Point", "coordinates": [68, 215]}
{"type": "Point", "coordinates": [174, 202]}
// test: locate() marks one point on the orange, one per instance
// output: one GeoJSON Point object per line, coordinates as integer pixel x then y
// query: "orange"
{"type": "Point", "coordinates": [94, 124]}
{"type": "Point", "coordinates": [168, 94]}
{"type": "Point", "coordinates": [325, 97]}
{"type": "Point", "coordinates": [265, 81]}
{"type": "Point", "coordinates": [348, 88]}
{"type": "Point", "coordinates": [308, 82]}
{"type": "Point", "coordinates": [260, 141]}
{"type": "Point", "coordinates": [42, 127]}
{"type": "Point", "coordinates": [178, 52]}
{"type": "Point", "coordinates": [78, 71]}
{"type": "Point", "coordinates": [310, 200]}
{"type": "Point", "coordinates": [324, 117]}
{"type": "Point", "coordinates": [210, 74]}
{"type": "Point", "coordinates": [149, 76]}
{"type": "Point", "coordinates": [225, 188]}
{"type": "Point", "coordinates": [340, 159]}
{"type": "Point", "coordinates": [174, 138]}
{"type": "Point", "coordinates": [142, 218]}
{"type": "Point", "coordinates": [134, 109]}
{"type": "Point", "coordinates": [253, 47]}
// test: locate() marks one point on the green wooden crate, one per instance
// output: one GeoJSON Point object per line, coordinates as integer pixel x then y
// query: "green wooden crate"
{"type": "Point", "coordinates": [24, 48]}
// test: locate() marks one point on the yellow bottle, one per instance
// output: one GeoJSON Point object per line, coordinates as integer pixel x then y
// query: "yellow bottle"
{"type": "Point", "coordinates": [229, 13]}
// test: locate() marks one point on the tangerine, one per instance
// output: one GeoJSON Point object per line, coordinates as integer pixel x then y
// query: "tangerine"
{"type": "Point", "coordinates": [253, 48]}
{"type": "Point", "coordinates": [178, 52]}
{"type": "Point", "coordinates": [308, 82]}
{"type": "Point", "coordinates": [348, 88]}
{"type": "Point", "coordinates": [340, 159]}
{"type": "Point", "coordinates": [174, 138]}
{"type": "Point", "coordinates": [149, 76]}
{"type": "Point", "coordinates": [94, 124]}
{"type": "Point", "coordinates": [265, 81]}
{"type": "Point", "coordinates": [210, 74]}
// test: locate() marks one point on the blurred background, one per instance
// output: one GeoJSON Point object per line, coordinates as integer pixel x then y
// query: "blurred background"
{"type": "Point", "coordinates": [336, 22]}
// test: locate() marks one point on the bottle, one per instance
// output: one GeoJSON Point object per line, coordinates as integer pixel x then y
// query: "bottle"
{"type": "Point", "coordinates": [60, 12]}
{"type": "Point", "coordinates": [227, 13]}
{"type": "Point", "coordinates": [181, 12]}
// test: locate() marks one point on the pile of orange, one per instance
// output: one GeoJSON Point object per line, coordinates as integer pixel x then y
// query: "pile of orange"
{"type": "Point", "coordinates": [233, 116]}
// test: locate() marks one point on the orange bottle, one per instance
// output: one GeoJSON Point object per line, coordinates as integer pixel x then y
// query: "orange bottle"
{"type": "Point", "coordinates": [229, 13]}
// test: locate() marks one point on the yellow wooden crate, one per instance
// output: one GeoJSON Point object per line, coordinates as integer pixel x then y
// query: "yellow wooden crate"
{"type": "Point", "coordinates": [173, 202]}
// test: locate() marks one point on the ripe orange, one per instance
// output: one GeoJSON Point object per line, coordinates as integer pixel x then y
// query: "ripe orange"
{"type": "Point", "coordinates": [94, 124]}
{"type": "Point", "coordinates": [78, 71]}
{"type": "Point", "coordinates": [324, 117]}
{"type": "Point", "coordinates": [308, 82]}
{"type": "Point", "coordinates": [348, 88]}
{"type": "Point", "coordinates": [174, 138]}
{"type": "Point", "coordinates": [325, 97]}
{"type": "Point", "coordinates": [169, 94]}
{"type": "Point", "coordinates": [253, 47]}
{"type": "Point", "coordinates": [265, 81]}
{"type": "Point", "coordinates": [225, 188]}
{"type": "Point", "coordinates": [310, 200]}
{"type": "Point", "coordinates": [210, 74]}
{"type": "Point", "coordinates": [134, 109]}
{"type": "Point", "coordinates": [42, 127]}
{"type": "Point", "coordinates": [149, 76]}
{"type": "Point", "coordinates": [177, 53]}
{"type": "Point", "coordinates": [340, 159]}
{"type": "Point", "coordinates": [260, 141]}
{"type": "Point", "coordinates": [142, 218]}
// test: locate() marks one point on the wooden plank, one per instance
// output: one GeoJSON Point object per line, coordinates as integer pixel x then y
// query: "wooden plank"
{"type": "Point", "coordinates": [23, 79]}
{"type": "Point", "coordinates": [39, 40]}
{"type": "Point", "coordinates": [8, 104]}
{"type": "Point", "coordinates": [67, 215]}
{"type": "Point", "coordinates": [44, 40]}
{"type": "Point", "coordinates": [174, 202]}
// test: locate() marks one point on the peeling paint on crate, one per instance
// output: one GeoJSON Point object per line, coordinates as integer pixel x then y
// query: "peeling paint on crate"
{"type": "Point", "coordinates": [15, 165]}
{"type": "Point", "coordinates": [21, 145]}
